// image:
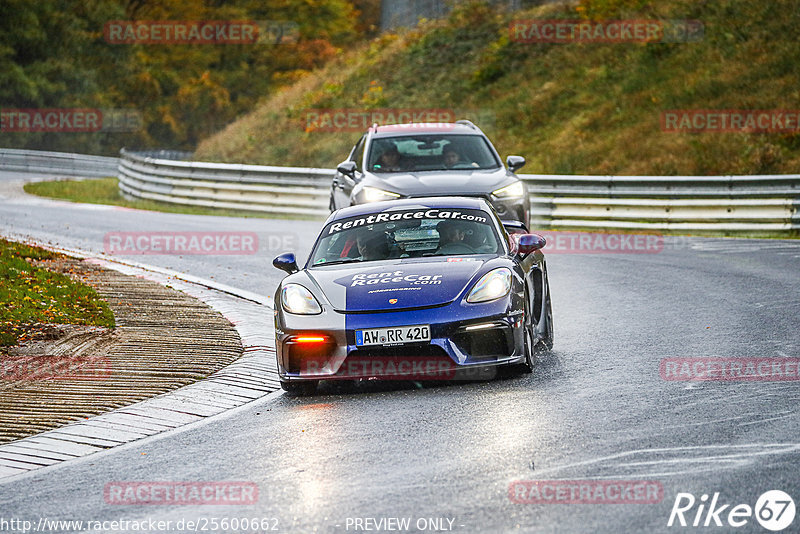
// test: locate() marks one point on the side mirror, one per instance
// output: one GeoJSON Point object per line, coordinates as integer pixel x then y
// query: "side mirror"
{"type": "Point", "coordinates": [286, 262]}
{"type": "Point", "coordinates": [528, 243]}
{"type": "Point", "coordinates": [348, 168]}
{"type": "Point", "coordinates": [515, 163]}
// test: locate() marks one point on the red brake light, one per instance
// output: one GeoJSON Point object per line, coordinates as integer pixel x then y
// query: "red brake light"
{"type": "Point", "coordinates": [310, 339]}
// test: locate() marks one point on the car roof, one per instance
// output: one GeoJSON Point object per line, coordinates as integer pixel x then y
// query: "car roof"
{"type": "Point", "coordinates": [464, 203]}
{"type": "Point", "coordinates": [393, 130]}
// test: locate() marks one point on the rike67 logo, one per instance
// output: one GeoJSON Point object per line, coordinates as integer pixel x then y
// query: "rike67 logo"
{"type": "Point", "coordinates": [774, 510]}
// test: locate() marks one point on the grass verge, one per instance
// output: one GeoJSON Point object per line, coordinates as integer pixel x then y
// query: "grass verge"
{"type": "Point", "coordinates": [106, 191]}
{"type": "Point", "coordinates": [31, 296]}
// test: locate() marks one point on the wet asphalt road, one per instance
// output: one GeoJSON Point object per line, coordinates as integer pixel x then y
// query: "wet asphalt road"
{"type": "Point", "coordinates": [595, 408]}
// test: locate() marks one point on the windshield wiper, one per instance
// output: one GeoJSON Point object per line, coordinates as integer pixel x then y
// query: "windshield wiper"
{"type": "Point", "coordinates": [335, 262]}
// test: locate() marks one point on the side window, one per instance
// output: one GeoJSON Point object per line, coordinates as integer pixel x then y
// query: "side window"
{"type": "Point", "coordinates": [358, 153]}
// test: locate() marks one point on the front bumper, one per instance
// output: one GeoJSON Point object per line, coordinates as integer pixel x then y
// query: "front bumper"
{"type": "Point", "coordinates": [467, 340]}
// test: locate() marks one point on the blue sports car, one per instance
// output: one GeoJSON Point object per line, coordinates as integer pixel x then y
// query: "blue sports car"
{"type": "Point", "coordinates": [411, 289]}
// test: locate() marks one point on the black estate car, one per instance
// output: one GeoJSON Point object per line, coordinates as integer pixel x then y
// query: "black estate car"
{"type": "Point", "coordinates": [430, 159]}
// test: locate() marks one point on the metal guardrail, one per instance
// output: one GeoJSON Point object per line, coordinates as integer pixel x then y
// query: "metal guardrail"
{"type": "Point", "coordinates": [736, 204]}
{"type": "Point", "coordinates": [58, 163]}
{"type": "Point", "coordinates": [280, 190]}
{"type": "Point", "coordinates": [180, 155]}
{"type": "Point", "coordinates": [749, 204]}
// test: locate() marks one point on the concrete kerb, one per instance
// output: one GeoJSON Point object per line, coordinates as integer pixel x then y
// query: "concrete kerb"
{"type": "Point", "coordinates": [250, 378]}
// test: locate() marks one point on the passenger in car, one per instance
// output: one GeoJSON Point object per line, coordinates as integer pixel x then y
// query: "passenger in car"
{"type": "Point", "coordinates": [451, 157]}
{"type": "Point", "coordinates": [391, 161]}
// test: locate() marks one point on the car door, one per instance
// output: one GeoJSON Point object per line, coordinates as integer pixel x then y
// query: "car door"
{"type": "Point", "coordinates": [343, 184]}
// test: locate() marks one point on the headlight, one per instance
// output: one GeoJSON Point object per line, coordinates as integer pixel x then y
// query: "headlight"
{"type": "Point", "coordinates": [513, 190]}
{"type": "Point", "coordinates": [373, 194]}
{"type": "Point", "coordinates": [491, 286]}
{"type": "Point", "coordinates": [297, 299]}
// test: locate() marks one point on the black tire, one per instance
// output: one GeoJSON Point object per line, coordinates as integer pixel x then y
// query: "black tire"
{"type": "Point", "coordinates": [300, 389]}
{"type": "Point", "coordinates": [526, 367]}
{"type": "Point", "coordinates": [546, 342]}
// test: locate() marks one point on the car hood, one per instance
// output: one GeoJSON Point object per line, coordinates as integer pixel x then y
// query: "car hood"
{"type": "Point", "coordinates": [436, 183]}
{"type": "Point", "coordinates": [396, 284]}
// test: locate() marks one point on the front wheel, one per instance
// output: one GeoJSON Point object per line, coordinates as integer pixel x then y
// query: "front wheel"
{"type": "Point", "coordinates": [526, 367]}
{"type": "Point", "coordinates": [546, 342]}
{"type": "Point", "coordinates": [300, 389]}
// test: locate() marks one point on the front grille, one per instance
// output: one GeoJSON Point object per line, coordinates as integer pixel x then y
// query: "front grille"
{"type": "Point", "coordinates": [410, 351]}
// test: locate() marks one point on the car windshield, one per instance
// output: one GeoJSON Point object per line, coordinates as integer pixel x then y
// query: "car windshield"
{"type": "Point", "coordinates": [407, 234]}
{"type": "Point", "coordinates": [432, 152]}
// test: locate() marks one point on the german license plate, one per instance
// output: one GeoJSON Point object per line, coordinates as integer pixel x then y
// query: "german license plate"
{"type": "Point", "coordinates": [393, 336]}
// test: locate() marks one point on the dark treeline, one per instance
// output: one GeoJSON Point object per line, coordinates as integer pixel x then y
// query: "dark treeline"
{"type": "Point", "coordinates": [54, 54]}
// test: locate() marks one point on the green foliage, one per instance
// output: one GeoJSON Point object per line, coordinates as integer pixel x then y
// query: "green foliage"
{"type": "Point", "coordinates": [31, 295]}
{"type": "Point", "coordinates": [610, 9]}
{"type": "Point", "coordinates": [54, 55]}
{"type": "Point", "coordinates": [586, 108]}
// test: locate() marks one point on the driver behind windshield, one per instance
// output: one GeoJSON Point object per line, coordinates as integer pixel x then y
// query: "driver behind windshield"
{"type": "Point", "coordinates": [372, 245]}
{"type": "Point", "coordinates": [391, 160]}
{"type": "Point", "coordinates": [452, 237]}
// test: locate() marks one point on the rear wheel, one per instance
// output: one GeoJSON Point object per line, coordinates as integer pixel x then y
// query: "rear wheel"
{"type": "Point", "coordinates": [300, 389]}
